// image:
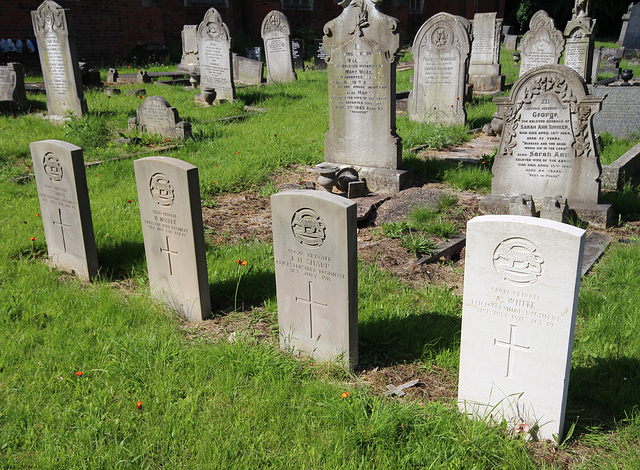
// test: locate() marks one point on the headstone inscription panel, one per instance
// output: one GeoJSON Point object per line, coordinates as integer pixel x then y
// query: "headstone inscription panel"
{"type": "Point", "coordinates": [542, 44]}
{"type": "Point", "coordinates": [484, 67]}
{"type": "Point", "coordinates": [54, 32]}
{"type": "Point", "coordinates": [277, 48]}
{"type": "Point", "coordinates": [319, 55]}
{"type": "Point", "coordinates": [522, 277]}
{"type": "Point", "coordinates": [13, 97]}
{"type": "Point", "coordinates": [214, 54]}
{"type": "Point", "coordinates": [440, 51]}
{"type": "Point", "coordinates": [189, 61]}
{"type": "Point", "coordinates": [578, 53]}
{"type": "Point", "coordinates": [64, 206]}
{"type": "Point", "coordinates": [169, 198]}
{"type": "Point", "coordinates": [297, 50]}
{"type": "Point", "coordinates": [315, 252]}
{"type": "Point", "coordinates": [156, 116]}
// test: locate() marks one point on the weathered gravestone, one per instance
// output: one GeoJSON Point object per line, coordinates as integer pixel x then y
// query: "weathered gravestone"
{"type": "Point", "coordinates": [64, 206]}
{"type": "Point", "coordinates": [522, 277]}
{"type": "Point", "coordinates": [619, 114]}
{"type": "Point", "coordinates": [631, 41]}
{"type": "Point", "coordinates": [277, 48]}
{"type": "Point", "coordinates": [189, 61]}
{"type": "Point", "coordinates": [247, 71]}
{"type": "Point", "coordinates": [55, 34]}
{"type": "Point", "coordinates": [156, 116]}
{"type": "Point", "coordinates": [361, 46]}
{"type": "Point", "coordinates": [319, 55]}
{"type": "Point", "coordinates": [579, 33]}
{"type": "Point", "coordinates": [547, 148]}
{"type": "Point", "coordinates": [542, 44]}
{"type": "Point", "coordinates": [625, 25]}
{"type": "Point", "coordinates": [484, 67]}
{"type": "Point", "coordinates": [510, 42]}
{"type": "Point", "coordinates": [315, 252]}
{"type": "Point", "coordinates": [169, 198]}
{"type": "Point", "coordinates": [440, 52]}
{"type": "Point", "coordinates": [214, 54]}
{"type": "Point", "coordinates": [13, 97]}
{"type": "Point", "coordinates": [297, 51]}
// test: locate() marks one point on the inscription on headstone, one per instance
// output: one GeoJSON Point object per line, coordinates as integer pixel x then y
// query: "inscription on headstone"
{"type": "Point", "coordinates": [157, 116]}
{"type": "Point", "coordinates": [484, 68]}
{"type": "Point", "coordinates": [277, 48]}
{"type": "Point", "coordinates": [542, 44]}
{"type": "Point", "coordinates": [189, 61]}
{"type": "Point", "coordinates": [319, 56]}
{"type": "Point", "coordinates": [214, 54]}
{"type": "Point", "coordinates": [578, 53]}
{"type": "Point", "coordinates": [297, 51]}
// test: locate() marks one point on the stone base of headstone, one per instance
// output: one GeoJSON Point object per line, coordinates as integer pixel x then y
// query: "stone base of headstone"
{"type": "Point", "coordinates": [384, 180]}
{"type": "Point", "coordinates": [487, 84]}
{"type": "Point", "coordinates": [554, 208]}
{"type": "Point", "coordinates": [522, 205]}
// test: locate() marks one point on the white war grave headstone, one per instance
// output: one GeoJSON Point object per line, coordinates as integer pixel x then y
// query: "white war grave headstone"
{"type": "Point", "coordinates": [361, 46]}
{"type": "Point", "coordinates": [441, 53]}
{"type": "Point", "coordinates": [169, 198]}
{"type": "Point", "coordinates": [277, 48]}
{"type": "Point", "coordinates": [484, 66]}
{"type": "Point", "coordinates": [216, 65]}
{"type": "Point", "coordinates": [522, 278]}
{"type": "Point", "coordinates": [55, 34]}
{"type": "Point", "coordinates": [542, 44]}
{"type": "Point", "coordinates": [547, 148]}
{"type": "Point", "coordinates": [156, 116]}
{"type": "Point", "coordinates": [578, 33]}
{"type": "Point", "coordinates": [64, 206]}
{"type": "Point", "coordinates": [13, 97]}
{"type": "Point", "coordinates": [315, 252]}
{"type": "Point", "coordinates": [189, 61]}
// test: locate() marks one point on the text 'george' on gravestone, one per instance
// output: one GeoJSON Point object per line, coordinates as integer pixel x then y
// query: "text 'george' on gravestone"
{"type": "Point", "coordinates": [169, 198]}
{"type": "Point", "coordinates": [156, 116]}
{"type": "Point", "coordinates": [64, 206]}
{"type": "Point", "coordinates": [315, 252]}
{"type": "Point", "coordinates": [277, 48]}
{"type": "Point", "coordinates": [55, 34]}
{"type": "Point", "coordinates": [13, 97]}
{"type": "Point", "coordinates": [484, 67]}
{"type": "Point", "coordinates": [522, 278]}
{"type": "Point", "coordinates": [542, 44]}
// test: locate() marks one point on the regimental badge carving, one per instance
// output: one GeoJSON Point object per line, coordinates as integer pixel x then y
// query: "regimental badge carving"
{"type": "Point", "coordinates": [52, 167]}
{"type": "Point", "coordinates": [308, 228]}
{"type": "Point", "coordinates": [440, 37]}
{"type": "Point", "coordinates": [161, 190]}
{"type": "Point", "coordinates": [518, 261]}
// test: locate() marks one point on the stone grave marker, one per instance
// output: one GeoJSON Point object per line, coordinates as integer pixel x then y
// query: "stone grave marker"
{"type": "Point", "coordinates": [276, 33]}
{"type": "Point", "coordinates": [522, 277]}
{"type": "Point", "coordinates": [13, 97]}
{"type": "Point", "coordinates": [64, 206]}
{"type": "Point", "coordinates": [247, 71]}
{"type": "Point", "coordinates": [315, 252]}
{"type": "Point", "coordinates": [578, 53]}
{"type": "Point", "coordinates": [297, 51]}
{"type": "Point", "coordinates": [362, 95]}
{"type": "Point", "coordinates": [156, 116]}
{"type": "Point", "coordinates": [169, 198]}
{"type": "Point", "coordinates": [189, 60]}
{"type": "Point", "coordinates": [214, 54]}
{"type": "Point", "coordinates": [55, 34]}
{"type": "Point", "coordinates": [625, 25]}
{"type": "Point", "coordinates": [319, 55]}
{"type": "Point", "coordinates": [542, 44]}
{"type": "Point", "coordinates": [254, 53]}
{"type": "Point", "coordinates": [511, 42]}
{"type": "Point", "coordinates": [619, 114]}
{"type": "Point", "coordinates": [632, 34]}
{"type": "Point", "coordinates": [610, 60]}
{"type": "Point", "coordinates": [484, 67]}
{"type": "Point", "coordinates": [547, 147]}
{"type": "Point", "coordinates": [440, 52]}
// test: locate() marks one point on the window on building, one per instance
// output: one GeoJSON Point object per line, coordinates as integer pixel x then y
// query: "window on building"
{"type": "Point", "coordinates": [416, 6]}
{"type": "Point", "coordinates": [297, 4]}
{"type": "Point", "coordinates": [207, 3]}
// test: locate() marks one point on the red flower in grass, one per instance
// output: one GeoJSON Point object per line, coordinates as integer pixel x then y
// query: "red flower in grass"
{"type": "Point", "coordinates": [345, 395]}
{"type": "Point", "coordinates": [79, 373]}
{"type": "Point", "coordinates": [33, 239]}
{"type": "Point", "coordinates": [139, 405]}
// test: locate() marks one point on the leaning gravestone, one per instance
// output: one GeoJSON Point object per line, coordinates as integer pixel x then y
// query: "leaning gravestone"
{"type": "Point", "coordinates": [578, 53]}
{"type": "Point", "coordinates": [277, 48]}
{"type": "Point", "coordinates": [542, 44]}
{"type": "Point", "coordinates": [440, 52]}
{"type": "Point", "coordinates": [547, 148]}
{"type": "Point", "coordinates": [54, 32]}
{"type": "Point", "coordinates": [64, 206]}
{"type": "Point", "coordinates": [361, 46]}
{"type": "Point", "coordinates": [522, 278]}
{"type": "Point", "coordinates": [484, 67]}
{"type": "Point", "coordinates": [214, 54]}
{"type": "Point", "coordinates": [315, 252]}
{"type": "Point", "coordinates": [13, 97]}
{"type": "Point", "coordinates": [157, 116]}
{"type": "Point", "coordinates": [247, 71]}
{"type": "Point", "coordinates": [189, 61]}
{"type": "Point", "coordinates": [169, 198]}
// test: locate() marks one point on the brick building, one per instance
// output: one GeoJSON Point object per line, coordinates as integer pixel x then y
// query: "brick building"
{"type": "Point", "coordinates": [118, 29]}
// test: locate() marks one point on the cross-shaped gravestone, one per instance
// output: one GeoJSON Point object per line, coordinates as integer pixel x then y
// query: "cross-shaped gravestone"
{"type": "Point", "coordinates": [310, 303]}
{"type": "Point", "coordinates": [511, 346]}
{"type": "Point", "coordinates": [168, 252]}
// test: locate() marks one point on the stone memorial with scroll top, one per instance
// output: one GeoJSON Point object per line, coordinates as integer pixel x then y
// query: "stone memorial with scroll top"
{"type": "Point", "coordinates": [54, 32]}
{"type": "Point", "coordinates": [169, 198]}
{"type": "Point", "coordinates": [157, 116]}
{"type": "Point", "coordinates": [64, 206]}
{"type": "Point", "coordinates": [214, 55]}
{"type": "Point", "coordinates": [542, 44]}
{"type": "Point", "coordinates": [484, 67]}
{"type": "Point", "coordinates": [315, 252]}
{"type": "Point", "coordinates": [277, 48]}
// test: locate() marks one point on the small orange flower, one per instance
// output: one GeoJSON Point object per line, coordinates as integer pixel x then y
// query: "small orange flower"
{"type": "Point", "coordinates": [243, 263]}
{"type": "Point", "coordinates": [345, 395]}
{"type": "Point", "coordinates": [214, 181]}
{"type": "Point", "coordinates": [129, 200]}
{"type": "Point", "coordinates": [38, 214]}
{"type": "Point", "coordinates": [167, 140]}
{"type": "Point", "coordinates": [33, 239]}
{"type": "Point", "coordinates": [237, 152]}
{"type": "Point", "coordinates": [457, 97]}
{"type": "Point", "coordinates": [139, 405]}
{"type": "Point", "coordinates": [79, 373]}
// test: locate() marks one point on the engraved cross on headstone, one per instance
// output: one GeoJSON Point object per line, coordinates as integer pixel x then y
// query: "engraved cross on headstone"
{"type": "Point", "coordinates": [62, 226]}
{"type": "Point", "coordinates": [311, 303]}
{"type": "Point", "coordinates": [168, 251]}
{"type": "Point", "coordinates": [511, 345]}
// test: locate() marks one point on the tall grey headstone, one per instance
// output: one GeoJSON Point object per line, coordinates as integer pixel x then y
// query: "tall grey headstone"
{"type": "Point", "coordinates": [315, 252]}
{"type": "Point", "coordinates": [441, 53]}
{"type": "Point", "coordinates": [542, 44]}
{"type": "Point", "coordinates": [625, 25]}
{"type": "Point", "coordinates": [579, 42]}
{"type": "Point", "coordinates": [64, 206]}
{"type": "Point", "coordinates": [55, 34]}
{"type": "Point", "coordinates": [484, 67]}
{"type": "Point", "coordinates": [156, 116]}
{"type": "Point", "coordinates": [169, 198]}
{"type": "Point", "coordinates": [13, 97]}
{"type": "Point", "coordinates": [214, 54]}
{"type": "Point", "coordinates": [361, 46]}
{"type": "Point", "coordinates": [632, 35]}
{"type": "Point", "coordinates": [547, 147]}
{"type": "Point", "coordinates": [189, 61]}
{"type": "Point", "coordinates": [276, 35]}
{"type": "Point", "coordinates": [522, 278]}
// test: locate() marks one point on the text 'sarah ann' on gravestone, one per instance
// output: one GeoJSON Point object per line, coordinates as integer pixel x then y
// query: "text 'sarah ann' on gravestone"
{"type": "Point", "coordinates": [169, 197]}
{"type": "Point", "coordinates": [277, 48]}
{"type": "Point", "coordinates": [315, 251]}
{"type": "Point", "coordinates": [64, 205]}
{"type": "Point", "coordinates": [542, 44]}
{"type": "Point", "coordinates": [361, 46]}
{"type": "Point", "coordinates": [54, 32]}
{"type": "Point", "coordinates": [522, 277]}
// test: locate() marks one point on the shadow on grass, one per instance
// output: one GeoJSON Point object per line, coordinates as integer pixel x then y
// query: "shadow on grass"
{"type": "Point", "coordinates": [254, 96]}
{"type": "Point", "coordinates": [119, 262]}
{"type": "Point", "coordinates": [625, 202]}
{"type": "Point", "coordinates": [254, 289]}
{"type": "Point", "coordinates": [430, 169]}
